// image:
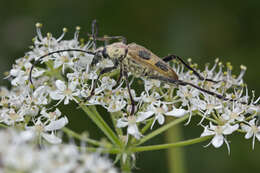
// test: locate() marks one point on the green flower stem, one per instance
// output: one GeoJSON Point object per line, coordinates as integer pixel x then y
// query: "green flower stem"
{"type": "Point", "coordinates": [241, 131]}
{"type": "Point", "coordinates": [207, 118]}
{"type": "Point", "coordinates": [99, 121]}
{"type": "Point", "coordinates": [162, 129]}
{"type": "Point", "coordinates": [83, 138]}
{"type": "Point", "coordinates": [3, 125]}
{"type": "Point", "coordinates": [104, 150]}
{"type": "Point", "coordinates": [114, 116]}
{"type": "Point", "coordinates": [147, 126]}
{"type": "Point", "coordinates": [175, 155]}
{"type": "Point", "coordinates": [251, 116]}
{"type": "Point", "coordinates": [125, 164]}
{"type": "Point", "coordinates": [170, 145]}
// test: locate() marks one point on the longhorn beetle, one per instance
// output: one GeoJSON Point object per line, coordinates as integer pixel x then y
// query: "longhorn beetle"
{"type": "Point", "coordinates": [136, 59]}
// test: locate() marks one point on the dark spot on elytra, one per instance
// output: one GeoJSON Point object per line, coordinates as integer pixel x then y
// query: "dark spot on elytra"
{"type": "Point", "coordinates": [144, 54]}
{"type": "Point", "coordinates": [162, 66]}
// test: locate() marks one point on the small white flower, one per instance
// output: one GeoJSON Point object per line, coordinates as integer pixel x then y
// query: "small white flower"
{"type": "Point", "coordinates": [43, 129]}
{"type": "Point", "coordinates": [233, 115]}
{"type": "Point", "coordinates": [63, 59]}
{"type": "Point", "coordinates": [219, 132]}
{"type": "Point", "coordinates": [51, 115]}
{"type": "Point", "coordinates": [65, 93]}
{"type": "Point", "coordinates": [11, 116]}
{"type": "Point", "coordinates": [131, 123]}
{"type": "Point", "coordinates": [116, 104]}
{"type": "Point", "coordinates": [149, 84]}
{"type": "Point", "coordinates": [159, 110]}
{"type": "Point", "coordinates": [40, 95]}
{"type": "Point", "coordinates": [252, 130]}
{"type": "Point", "coordinates": [106, 84]}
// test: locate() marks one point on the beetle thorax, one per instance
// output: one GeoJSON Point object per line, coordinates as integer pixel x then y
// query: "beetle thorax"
{"type": "Point", "coordinates": [116, 50]}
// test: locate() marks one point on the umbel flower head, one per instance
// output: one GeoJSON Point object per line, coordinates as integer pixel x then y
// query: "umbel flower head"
{"type": "Point", "coordinates": [19, 153]}
{"type": "Point", "coordinates": [66, 77]}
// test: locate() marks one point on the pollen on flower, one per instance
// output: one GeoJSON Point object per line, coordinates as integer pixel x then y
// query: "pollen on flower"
{"type": "Point", "coordinates": [78, 28]}
{"type": "Point", "coordinates": [243, 67]}
{"type": "Point", "coordinates": [38, 25]}
{"type": "Point", "coordinates": [65, 29]}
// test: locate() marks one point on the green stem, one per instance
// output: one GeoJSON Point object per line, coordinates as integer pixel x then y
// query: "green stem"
{"type": "Point", "coordinates": [240, 131]}
{"type": "Point", "coordinates": [250, 117]}
{"type": "Point", "coordinates": [83, 138]}
{"type": "Point", "coordinates": [175, 155]}
{"type": "Point", "coordinates": [147, 126]}
{"type": "Point", "coordinates": [104, 150]}
{"type": "Point", "coordinates": [3, 125]}
{"type": "Point", "coordinates": [205, 117]}
{"type": "Point", "coordinates": [125, 164]}
{"type": "Point", "coordinates": [162, 129]}
{"type": "Point", "coordinates": [99, 121]}
{"type": "Point", "coordinates": [166, 146]}
{"type": "Point", "coordinates": [114, 116]}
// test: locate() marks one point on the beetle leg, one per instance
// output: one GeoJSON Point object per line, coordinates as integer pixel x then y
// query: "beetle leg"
{"type": "Point", "coordinates": [171, 57]}
{"type": "Point", "coordinates": [129, 92]}
{"type": "Point", "coordinates": [119, 78]}
{"type": "Point", "coordinates": [103, 71]}
{"type": "Point", "coordinates": [183, 83]}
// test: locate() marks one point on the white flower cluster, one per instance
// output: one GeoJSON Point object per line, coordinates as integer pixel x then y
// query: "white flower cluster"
{"type": "Point", "coordinates": [20, 153]}
{"type": "Point", "coordinates": [69, 76]}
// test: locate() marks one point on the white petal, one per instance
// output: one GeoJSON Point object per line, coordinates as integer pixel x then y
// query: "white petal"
{"type": "Point", "coordinates": [72, 85]}
{"type": "Point", "coordinates": [249, 134]}
{"type": "Point", "coordinates": [56, 95]}
{"type": "Point", "coordinates": [246, 128]}
{"type": "Point", "coordinates": [58, 124]}
{"type": "Point", "coordinates": [51, 138]}
{"type": "Point", "coordinates": [144, 115]}
{"type": "Point", "coordinates": [60, 85]}
{"type": "Point", "coordinates": [225, 116]}
{"type": "Point", "coordinates": [164, 107]}
{"type": "Point", "coordinates": [207, 132]}
{"type": "Point", "coordinates": [57, 112]}
{"type": "Point", "coordinates": [217, 141]}
{"type": "Point", "coordinates": [133, 130]}
{"type": "Point", "coordinates": [66, 101]}
{"type": "Point", "coordinates": [252, 122]}
{"type": "Point", "coordinates": [230, 129]}
{"type": "Point", "coordinates": [160, 118]}
{"type": "Point", "coordinates": [14, 72]}
{"type": "Point", "coordinates": [122, 122]}
{"type": "Point", "coordinates": [258, 135]}
{"type": "Point", "coordinates": [176, 112]}
{"type": "Point", "coordinates": [37, 73]}
{"type": "Point", "coordinates": [38, 91]}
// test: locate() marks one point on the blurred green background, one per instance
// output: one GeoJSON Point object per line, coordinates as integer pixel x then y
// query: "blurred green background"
{"type": "Point", "coordinates": [202, 30]}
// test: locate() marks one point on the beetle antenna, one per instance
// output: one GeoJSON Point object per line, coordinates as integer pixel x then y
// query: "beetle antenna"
{"type": "Point", "coordinates": [94, 32]}
{"type": "Point", "coordinates": [183, 83]}
{"type": "Point", "coordinates": [51, 53]}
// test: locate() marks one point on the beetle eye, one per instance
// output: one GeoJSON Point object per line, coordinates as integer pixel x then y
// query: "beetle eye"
{"type": "Point", "coordinates": [104, 53]}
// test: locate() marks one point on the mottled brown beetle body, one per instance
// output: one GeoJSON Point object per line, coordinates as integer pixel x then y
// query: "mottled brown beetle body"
{"type": "Point", "coordinates": [138, 60]}
{"type": "Point", "coordinates": [147, 62]}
